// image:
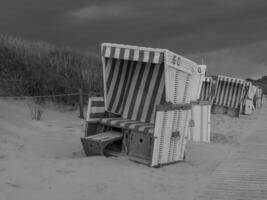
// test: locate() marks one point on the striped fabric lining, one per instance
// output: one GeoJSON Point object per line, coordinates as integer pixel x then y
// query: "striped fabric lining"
{"type": "Point", "coordinates": [134, 88]}
{"type": "Point", "coordinates": [206, 89]}
{"type": "Point", "coordinates": [96, 108]}
{"type": "Point", "coordinates": [229, 92]}
{"type": "Point", "coordinates": [129, 124]}
{"type": "Point", "coordinates": [259, 92]}
{"type": "Point", "coordinates": [258, 98]}
{"type": "Point", "coordinates": [132, 54]}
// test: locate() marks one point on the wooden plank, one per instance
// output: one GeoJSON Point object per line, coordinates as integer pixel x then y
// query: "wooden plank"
{"type": "Point", "coordinates": [170, 106]}
{"type": "Point", "coordinates": [243, 176]}
{"type": "Point", "coordinates": [110, 135]}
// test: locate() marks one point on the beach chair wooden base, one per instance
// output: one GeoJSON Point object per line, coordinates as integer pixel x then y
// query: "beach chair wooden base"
{"type": "Point", "coordinates": [140, 147]}
{"type": "Point", "coordinates": [96, 144]}
{"type": "Point", "coordinates": [233, 112]}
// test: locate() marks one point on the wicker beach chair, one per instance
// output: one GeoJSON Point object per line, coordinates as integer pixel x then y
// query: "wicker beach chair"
{"type": "Point", "coordinates": [146, 104]}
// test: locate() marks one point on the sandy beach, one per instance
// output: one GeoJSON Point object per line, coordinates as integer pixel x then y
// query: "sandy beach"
{"type": "Point", "coordinates": [44, 159]}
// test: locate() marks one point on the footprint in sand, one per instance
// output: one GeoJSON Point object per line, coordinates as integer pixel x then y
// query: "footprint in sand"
{"type": "Point", "coordinates": [65, 171]}
{"type": "Point", "coordinates": [163, 187]}
{"type": "Point", "coordinates": [2, 169]}
{"type": "Point", "coordinates": [68, 126]}
{"type": "Point", "coordinates": [19, 147]}
{"type": "Point", "coordinates": [101, 187]}
{"type": "Point", "coordinates": [4, 141]}
{"type": "Point", "coordinates": [2, 156]}
{"type": "Point", "coordinates": [14, 185]}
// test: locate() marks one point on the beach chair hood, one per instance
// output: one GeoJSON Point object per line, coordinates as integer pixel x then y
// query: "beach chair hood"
{"type": "Point", "coordinates": [136, 79]}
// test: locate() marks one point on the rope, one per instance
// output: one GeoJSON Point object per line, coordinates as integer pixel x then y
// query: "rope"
{"type": "Point", "coordinates": [42, 96]}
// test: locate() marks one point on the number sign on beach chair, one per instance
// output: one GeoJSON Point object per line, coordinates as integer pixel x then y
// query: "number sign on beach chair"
{"type": "Point", "coordinates": [147, 94]}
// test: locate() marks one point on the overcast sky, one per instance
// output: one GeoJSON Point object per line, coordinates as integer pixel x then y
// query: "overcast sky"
{"type": "Point", "coordinates": [229, 35]}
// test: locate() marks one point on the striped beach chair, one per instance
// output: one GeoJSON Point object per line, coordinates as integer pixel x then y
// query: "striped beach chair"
{"type": "Point", "coordinates": [258, 98]}
{"type": "Point", "coordinates": [248, 105]}
{"type": "Point", "coordinates": [146, 103]}
{"type": "Point", "coordinates": [207, 89]}
{"type": "Point", "coordinates": [229, 96]}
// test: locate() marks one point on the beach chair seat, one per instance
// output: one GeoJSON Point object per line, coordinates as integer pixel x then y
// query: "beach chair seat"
{"type": "Point", "coordinates": [126, 124]}
{"type": "Point", "coordinates": [96, 144]}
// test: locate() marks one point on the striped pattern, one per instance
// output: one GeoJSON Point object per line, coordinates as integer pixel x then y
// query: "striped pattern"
{"type": "Point", "coordinates": [134, 84]}
{"type": "Point", "coordinates": [258, 99]}
{"type": "Point", "coordinates": [229, 92]}
{"type": "Point", "coordinates": [96, 108]}
{"type": "Point", "coordinates": [129, 124]}
{"type": "Point", "coordinates": [133, 89]}
{"type": "Point", "coordinates": [207, 92]}
{"type": "Point", "coordinates": [170, 136]}
{"type": "Point", "coordinates": [259, 92]}
{"type": "Point", "coordinates": [132, 53]}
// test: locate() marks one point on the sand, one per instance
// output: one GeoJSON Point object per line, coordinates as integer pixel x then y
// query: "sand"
{"type": "Point", "coordinates": [44, 159]}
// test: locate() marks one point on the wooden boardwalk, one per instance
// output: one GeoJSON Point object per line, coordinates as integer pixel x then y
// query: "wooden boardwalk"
{"type": "Point", "coordinates": [243, 175]}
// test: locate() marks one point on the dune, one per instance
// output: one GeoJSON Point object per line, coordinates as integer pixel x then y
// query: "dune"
{"type": "Point", "coordinates": [44, 159]}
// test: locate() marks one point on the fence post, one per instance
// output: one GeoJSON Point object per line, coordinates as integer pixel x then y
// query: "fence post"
{"type": "Point", "coordinates": [81, 103]}
{"type": "Point", "coordinates": [261, 99]}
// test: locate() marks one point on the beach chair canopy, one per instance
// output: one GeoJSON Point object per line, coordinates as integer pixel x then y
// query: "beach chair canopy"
{"type": "Point", "coordinates": [137, 79]}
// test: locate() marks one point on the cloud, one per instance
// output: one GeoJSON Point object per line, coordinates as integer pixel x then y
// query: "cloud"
{"type": "Point", "coordinates": [218, 30]}
{"type": "Point", "coordinates": [101, 12]}
{"type": "Point", "coordinates": [185, 26]}
{"type": "Point", "coordinates": [247, 61]}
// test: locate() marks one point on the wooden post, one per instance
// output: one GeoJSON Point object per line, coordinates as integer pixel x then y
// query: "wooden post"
{"type": "Point", "coordinates": [261, 99]}
{"type": "Point", "coordinates": [81, 103]}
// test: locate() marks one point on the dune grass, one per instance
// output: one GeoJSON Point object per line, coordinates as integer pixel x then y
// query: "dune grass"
{"type": "Point", "coordinates": [262, 82]}
{"type": "Point", "coordinates": [40, 68]}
